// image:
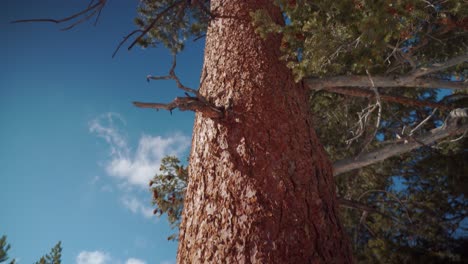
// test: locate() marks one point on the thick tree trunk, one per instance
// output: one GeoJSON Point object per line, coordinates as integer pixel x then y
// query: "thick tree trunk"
{"type": "Point", "coordinates": [261, 188]}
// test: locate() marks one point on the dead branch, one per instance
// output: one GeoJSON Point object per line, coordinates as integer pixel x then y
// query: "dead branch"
{"type": "Point", "coordinates": [186, 104]}
{"type": "Point", "coordinates": [196, 103]}
{"type": "Point", "coordinates": [377, 105]}
{"type": "Point", "coordinates": [423, 122]}
{"type": "Point", "coordinates": [86, 14]}
{"type": "Point", "coordinates": [172, 76]}
{"type": "Point", "coordinates": [398, 147]}
{"type": "Point", "coordinates": [125, 40]}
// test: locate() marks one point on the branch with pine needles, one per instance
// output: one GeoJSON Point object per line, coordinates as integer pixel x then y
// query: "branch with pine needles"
{"type": "Point", "coordinates": [400, 146]}
{"type": "Point", "coordinates": [415, 79]}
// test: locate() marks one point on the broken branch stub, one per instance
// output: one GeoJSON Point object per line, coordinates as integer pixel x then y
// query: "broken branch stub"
{"type": "Point", "coordinates": [186, 104]}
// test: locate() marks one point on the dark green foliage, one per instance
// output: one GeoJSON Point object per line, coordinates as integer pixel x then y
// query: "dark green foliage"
{"type": "Point", "coordinates": [54, 257]}
{"type": "Point", "coordinates": [4, 247]}
{"type": "Point", "coordinates": [168, 190]}
{"type": "Point", "coordinates": [323, 38]}
{"type": "Point", "coordinates": [422, 193]}
{"type": "Point", "coordinates": [179, 21]}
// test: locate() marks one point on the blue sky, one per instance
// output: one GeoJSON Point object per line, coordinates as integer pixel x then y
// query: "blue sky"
{"type": "Point", "coordinates": [75, 155]}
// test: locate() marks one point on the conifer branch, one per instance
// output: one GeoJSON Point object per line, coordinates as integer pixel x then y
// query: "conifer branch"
{"type": "Point", "coordinates": [154, 21]}
{"type": "Point", "coordinates": [437, 67]}
{"type": "Point", "coordinates": [382, 82]}
{"type": "Point", "coordinates": [398, 147]}
{"type": "Point", "coordinates": [411, 80]}
{"type": "Point", "coordinates": [361, 92]}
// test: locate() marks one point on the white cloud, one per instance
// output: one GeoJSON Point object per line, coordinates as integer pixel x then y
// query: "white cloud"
{"type": "Point", "coordinates": [135, 261]}
{"type": "Point", "coordinates": [137, 168]}
{"type": "Point", "coordinates": [137, 207]}
{"type": "Point", "coordinates": [93, 257]}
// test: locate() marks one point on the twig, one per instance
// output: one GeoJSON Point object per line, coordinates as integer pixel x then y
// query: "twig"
{"type": "Point", "coordinates": [395, 198]}
{"type": "Point", "coordinates": [125, 40]}
{"type": "Point", "coordinates": [459, 138]}
{"type": "Point", "coordinates": [422, 122]}
{"type": "Point", "coordinates": [97, 6]}
{"type": "Point", "coordinates": [173, 76]}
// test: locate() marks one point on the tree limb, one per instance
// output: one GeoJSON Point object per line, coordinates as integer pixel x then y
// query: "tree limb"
{"type": "Point", "coordinates": [381, 82]}
{"type": "Point", "coordinates": [398, 148]}
{"type": "Point", "coordinates": [89, 12]}
{"type": "Point", "coordinates": [184, 104]}
{"type": "Point", "coordinates": [411, 80]}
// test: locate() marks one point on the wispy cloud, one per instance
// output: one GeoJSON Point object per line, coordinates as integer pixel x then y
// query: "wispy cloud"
{"type": "Point", "coordinates": [137, 207]}
{"type": "Point", "coordinates": [168, 262]}
{"type": "Point", "coordinates": [99, 257]}
{"type": "Point", "coordinates": [93, 257]}
{"type": "Point", "coordinates": [134, 261]}
{"type": "Point", "coordinates": [138, 167]}
{"type": "Point", "coordinates": [105, 127]}
{"type": "Point", "coordinates": [133, 166]}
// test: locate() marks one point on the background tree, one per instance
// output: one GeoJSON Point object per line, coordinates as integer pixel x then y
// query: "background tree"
{"type": "Point", "coordinates": [4, 247]}
{"type": "Point", "coordinates": [54, 257]}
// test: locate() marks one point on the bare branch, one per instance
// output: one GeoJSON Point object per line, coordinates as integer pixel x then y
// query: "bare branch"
{"type": "Point", "coordinates": [88, 12]}
{"type": "Point", "coordinates": [125, 40]}
{"type": "Point", "coordinates": [186, 104]}
{"type": "Point", "coordinates": [173, 76]}
{"type": "Point", "coordinates": [400, 147]}
{"type": "Point", "coordinates": [423, 122]}
{"type": "Point", "coordinates": [378, 105]}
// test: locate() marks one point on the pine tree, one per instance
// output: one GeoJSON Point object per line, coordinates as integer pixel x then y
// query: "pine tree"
{"type": "Point", "coordinates": [54, 257]}
{"type": "Point", "coordinates": [260, 185]}
{"type": "Point", "coordinates": [4, 247]}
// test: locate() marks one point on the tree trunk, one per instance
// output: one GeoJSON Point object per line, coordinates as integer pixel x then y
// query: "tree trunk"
{"type": "Point", "coordinates": [261, 187]}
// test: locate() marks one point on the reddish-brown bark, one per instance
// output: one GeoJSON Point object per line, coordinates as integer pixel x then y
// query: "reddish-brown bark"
{"type": "Point", "coordinates": [261, 188]}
